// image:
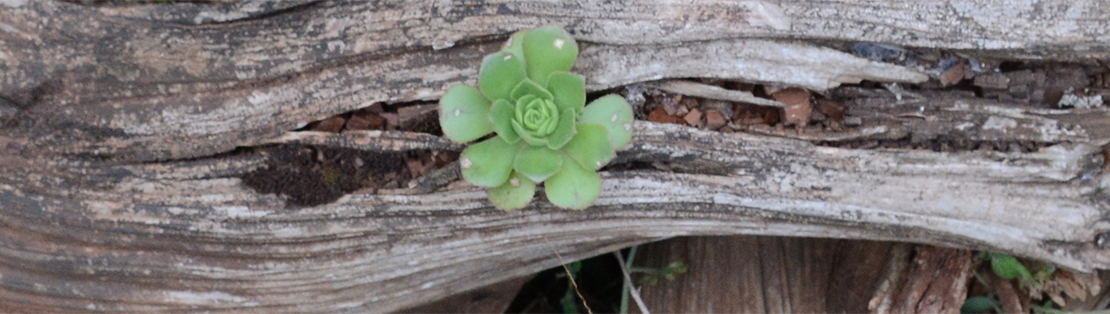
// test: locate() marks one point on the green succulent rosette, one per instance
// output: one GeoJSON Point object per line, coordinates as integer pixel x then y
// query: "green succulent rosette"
{"type": "Point", "coordinates": [545, 132]}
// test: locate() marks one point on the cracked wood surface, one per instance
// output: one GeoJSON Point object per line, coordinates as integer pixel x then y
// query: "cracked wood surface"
{"type": "Point", "coordinates": [118, 191]}
{"type": "Point", "coordinates": [182, 81]}
{"type": "Point", "coordinates": [109, 234]}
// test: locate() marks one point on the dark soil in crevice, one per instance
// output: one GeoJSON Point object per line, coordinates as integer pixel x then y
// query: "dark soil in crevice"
{"type": "Point", "coordinates": [310, 176]}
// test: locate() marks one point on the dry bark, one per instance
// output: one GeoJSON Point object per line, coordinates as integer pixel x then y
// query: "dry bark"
{"type": "Point", "coordinates": [937, 282]}
{"type": "Point", "coordinates": [119, 188]}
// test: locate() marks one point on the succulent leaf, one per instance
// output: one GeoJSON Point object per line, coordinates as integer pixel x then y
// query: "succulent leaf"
{"type": "Point", "coordinates": [523, 100]}
{"type": "Point", "coordinates": [569, 90]}
{"type": "Point", "coordinates": [537, 162]}
{"type": "Point", "coordinates": [515, 44]}
{"type": "Point", "coordinates": [547, 50]}
{"type": "Point", "coordinates": [499, 74]}
{"type": "Point", "coordinates": [529, 87]}
{"type": "Point", "coordinates": [564, 131]}
{"type": "Point", "coordinates": [573, 187]}
{"type": "Point", "coordinates": [527, 136]}
{"type": "Point", "coordinates": [501, 115]}
{"type": "Point", "coordinates": [463, 113]}
{"type": "Point", "coordinates": [590, 147]}
{"type": "Point", "coordinates": [613, 112]}
{"type": "Point", "coordinates": [488, 163]}
{"type": "Point", "coordinates": [515, 193]}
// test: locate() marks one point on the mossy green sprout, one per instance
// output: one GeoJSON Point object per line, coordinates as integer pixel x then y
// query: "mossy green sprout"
{"type": "Point", "coordinates": [545, 131]}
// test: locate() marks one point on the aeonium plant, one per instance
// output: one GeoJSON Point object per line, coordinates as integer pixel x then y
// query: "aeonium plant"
{"type": "Point", "coordinates": [545, 132]}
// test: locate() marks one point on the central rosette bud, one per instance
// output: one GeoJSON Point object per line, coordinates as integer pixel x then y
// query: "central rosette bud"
{"type": "Point", "coordinates": [537, 116]}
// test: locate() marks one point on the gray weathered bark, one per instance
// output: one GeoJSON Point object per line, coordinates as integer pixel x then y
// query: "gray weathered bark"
{"type": "Point", "coordinates": [118, 188]}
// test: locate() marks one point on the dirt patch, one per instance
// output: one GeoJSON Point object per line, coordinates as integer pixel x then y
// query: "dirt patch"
{"type": "Point", "coordinates": [309, 176]}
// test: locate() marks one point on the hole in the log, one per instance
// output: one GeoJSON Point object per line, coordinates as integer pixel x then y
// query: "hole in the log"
{"type": "Point", "coordinates": [309, 176]}
{"type": "Point", "coordinates": [599, 280]}
{"type": "Point", "coordinates": [1102, 240]}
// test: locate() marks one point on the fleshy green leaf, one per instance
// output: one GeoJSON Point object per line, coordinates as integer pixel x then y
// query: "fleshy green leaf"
{"type": "Point", "coordinates": [488, 163]}
{"type": "Point", "coordinates": [981, 304]}
{"type": "Point", "coordinates": [515, 193]}
{"type": "Point", "coordinates": [537, 162]}
{"type": "Point", "coordinates": [528, 87]}
{"type": "Point", "coordinates": [501, 115]}
{"type": "Point", "coordinates": [527, 136]}
{"type": "Point", "coordinates": [1008, 267]}
{"type": "Point", "coordinates": [499, 74]}
{"type": "Point", "coordinates": [569, 90]}
{"type": "Point", "coordinates": [515, 44]}
{"type": "Point", "coordinates": [463, 113]}
{"type": "Point", "coordinates": [573, 187]}
{"type": "Point", "coordinates": [590, 147]}
{"type": "Point", "coordinates": [547, 50]}
{"type": "Point", "coordinates": [525, 99]}
{"type": "Point", "coordinates": [613, 112]}
{"type": "Point", "coordinates": [564, 131]}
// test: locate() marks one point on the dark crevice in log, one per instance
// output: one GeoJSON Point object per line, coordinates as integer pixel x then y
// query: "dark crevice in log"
{"type": "Point", "coordinates": [310, 176]}
{"type": "Point", "coordinates": [939, 143]}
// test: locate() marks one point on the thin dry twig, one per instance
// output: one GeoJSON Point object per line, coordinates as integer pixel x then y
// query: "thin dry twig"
{"type": "Point", "coordinates": [714, 92]}
{"type": "Point", "coordinates": [569, 276]}
{"type": "Point", "coordinates": [632, 290]}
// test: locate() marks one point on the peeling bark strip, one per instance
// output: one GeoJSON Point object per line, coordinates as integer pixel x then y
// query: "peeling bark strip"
{"type": "Point", "coordinates": [86, 91]}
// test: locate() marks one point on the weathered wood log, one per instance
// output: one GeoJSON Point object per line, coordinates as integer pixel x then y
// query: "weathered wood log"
{"type": "Point", "coordinates": [120, 189]}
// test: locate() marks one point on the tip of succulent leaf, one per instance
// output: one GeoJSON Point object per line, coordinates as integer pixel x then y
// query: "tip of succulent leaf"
{"type": "Point", "coordinates": [488, 163]}
{"type": "Point", "coordinates": [573, 187]}
{"type": "Point", "coordinates": [590, 147]}
{"type": "Point", "coordinates": [537, 162]}
{"type": "Point", "coordinates": [514, 194]}
{"type": "Point", "coordinates": [569, 90]}
{"type": "Point", "coordinates": [548, 49]}
{"type": "Point", "coordinates": [615, 114]}
{"type": "Point", "coordinates": [463, 112]}
{"type": "Point", "coordinates": [515, 43]}
{"type": "Point", "coordinates": [499, 74]}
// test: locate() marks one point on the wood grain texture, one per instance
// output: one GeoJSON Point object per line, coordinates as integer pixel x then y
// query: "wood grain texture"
{"type": "Point", "coordinates": [937, 282]}
{"type": "Point", "coordinates": [746, 274]}
{"type": "Point", "coordinates": [78, 224]}
{"type": "Point", "coordinates": [494, 298]}
{"type": "Point", "coordinates": [118, 192]}
{"type": "Point", "coordinates": [167, 82]}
